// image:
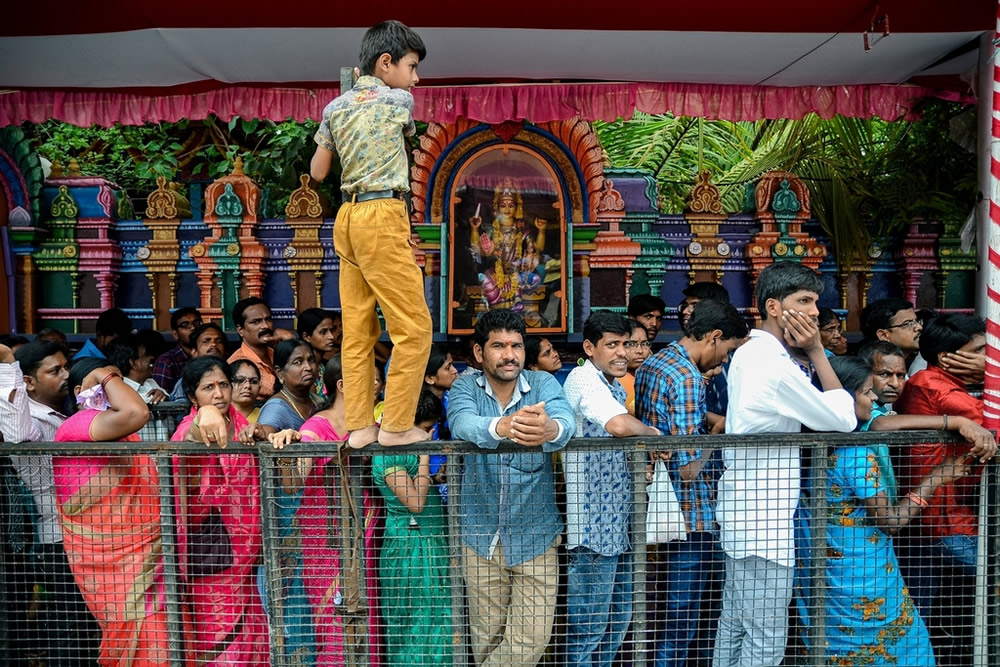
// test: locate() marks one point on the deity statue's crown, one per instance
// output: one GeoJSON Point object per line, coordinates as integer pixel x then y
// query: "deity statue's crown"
{"type": "Point", "coordinates": [506, 189]}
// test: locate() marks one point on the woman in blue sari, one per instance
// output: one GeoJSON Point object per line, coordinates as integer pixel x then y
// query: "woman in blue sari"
{"type": "Point", "coordinates": [287, 410]}
{"type": "Point", "coordinates": [870, 617]}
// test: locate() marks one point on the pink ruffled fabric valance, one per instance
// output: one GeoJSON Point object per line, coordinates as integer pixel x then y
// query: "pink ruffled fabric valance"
{"type": "Point", "coordinates": [537, 103]}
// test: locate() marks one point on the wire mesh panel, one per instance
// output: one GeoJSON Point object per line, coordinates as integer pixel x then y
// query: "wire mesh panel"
{"type": "Point", "coordinates": [445, 553]}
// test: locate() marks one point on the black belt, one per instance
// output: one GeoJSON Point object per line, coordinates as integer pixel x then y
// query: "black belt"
{"type": "Point", "coordinates": [379, 194]}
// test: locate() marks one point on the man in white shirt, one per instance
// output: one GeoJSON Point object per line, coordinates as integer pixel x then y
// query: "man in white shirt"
{"type": "Point", "coordinates": [599, 497]}
{"type": "Point", "coordinates": [30, 410]}
{"type": "Point", "coordinates": [136, 366]}
{"type": "Point", "coordinates": [758, 493]}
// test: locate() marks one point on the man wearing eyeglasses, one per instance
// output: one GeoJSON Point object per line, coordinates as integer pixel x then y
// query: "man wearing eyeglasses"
{"type": "Point", "coordinates": [169, 366]}
{"type": "Point", "coordinates": [895, 321]}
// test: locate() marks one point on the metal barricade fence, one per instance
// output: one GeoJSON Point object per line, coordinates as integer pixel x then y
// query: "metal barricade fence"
{"type": "Point", "coordinates": [321, 555]}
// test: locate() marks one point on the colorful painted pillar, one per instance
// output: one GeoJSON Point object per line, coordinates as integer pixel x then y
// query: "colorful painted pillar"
{"type": "Point", "coordinates": [918, 258]}
{"type": "Point", "coordinates": [304, 213]}
{"type": "Point", "coordinates": [57, 260]}
{"type": "Point", "coordinates": [165, 207]}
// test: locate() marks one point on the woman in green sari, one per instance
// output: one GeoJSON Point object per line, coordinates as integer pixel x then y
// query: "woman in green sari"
{"type": "Point", "coordinates": [413, 568]}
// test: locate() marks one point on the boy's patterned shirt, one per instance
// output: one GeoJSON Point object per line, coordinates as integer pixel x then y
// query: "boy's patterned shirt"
{"type": "Point", "coordinates": [366, 127]}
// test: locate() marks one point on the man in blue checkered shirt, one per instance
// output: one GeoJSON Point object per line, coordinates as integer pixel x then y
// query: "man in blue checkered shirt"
{"type": "Point", "coordinates": [670, 396]}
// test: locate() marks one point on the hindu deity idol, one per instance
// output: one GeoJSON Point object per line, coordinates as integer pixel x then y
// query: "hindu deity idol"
{"type": "Point", "coordinates": [509, 254]}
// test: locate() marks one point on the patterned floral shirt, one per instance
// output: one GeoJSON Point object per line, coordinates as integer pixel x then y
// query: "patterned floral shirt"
{"type": "Point", "coordinates": [366, 127]}
{"type": "Point", "coordinates": [598, 484]}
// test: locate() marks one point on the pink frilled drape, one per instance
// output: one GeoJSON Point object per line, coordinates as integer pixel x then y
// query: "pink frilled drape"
{"type": "Point", "coordinates": [487, 103]}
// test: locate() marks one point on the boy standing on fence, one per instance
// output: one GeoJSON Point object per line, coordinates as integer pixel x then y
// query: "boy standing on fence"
{"type": "Point", "coordinates": [367, 126]}
{"type": "Point", "coordinates": [769, 392]}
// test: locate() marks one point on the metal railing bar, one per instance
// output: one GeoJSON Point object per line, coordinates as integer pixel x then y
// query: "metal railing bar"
{"type": "Point", "coordinates": [321, 448]}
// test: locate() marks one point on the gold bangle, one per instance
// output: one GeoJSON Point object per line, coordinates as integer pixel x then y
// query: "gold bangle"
{"type": "Point", "coordinates": [284, 463]}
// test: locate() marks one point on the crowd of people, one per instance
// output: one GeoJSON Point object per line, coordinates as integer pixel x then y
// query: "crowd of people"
{"type": "Point", "coordinates": [540, 534]}
{"type": "Point", "coordinates": [900, 528]}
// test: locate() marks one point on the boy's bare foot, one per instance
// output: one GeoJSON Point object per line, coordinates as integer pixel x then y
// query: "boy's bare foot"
{"type": "Point", "coordinates": [393, 438]}
{"type": "Point", "coordinates": [363, 437]}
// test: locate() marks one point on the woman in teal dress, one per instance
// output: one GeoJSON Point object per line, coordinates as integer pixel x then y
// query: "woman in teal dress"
{"type": "Point", "coordinates": [870, 617]}
{"type": "Point", "coordinates": [413, 568]}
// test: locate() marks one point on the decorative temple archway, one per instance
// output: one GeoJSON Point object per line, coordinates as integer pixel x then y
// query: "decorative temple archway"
{"type": "Point", "coordinates": [555, 174]}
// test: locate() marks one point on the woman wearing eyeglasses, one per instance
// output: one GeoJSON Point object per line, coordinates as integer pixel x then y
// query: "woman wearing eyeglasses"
{"type": "Point", "coordinates": [246, 388]}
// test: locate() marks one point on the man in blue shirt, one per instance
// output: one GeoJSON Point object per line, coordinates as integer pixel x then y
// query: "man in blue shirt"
{"type": "Point", "coordinates": [111, 324]}
{"type": "Point", "coordinates": [599, 497]}
{"type": "Point", "coordinates": [510, 525]}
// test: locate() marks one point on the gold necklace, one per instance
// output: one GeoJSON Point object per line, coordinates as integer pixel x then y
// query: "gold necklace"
{"type": "Point", "coordinates": [291, 401]}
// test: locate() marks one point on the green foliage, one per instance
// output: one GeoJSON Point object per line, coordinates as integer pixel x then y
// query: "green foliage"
{"type": "Point", "coordinates": [867, 177]}
{"type": "Point", "coordinates": [274, 154]}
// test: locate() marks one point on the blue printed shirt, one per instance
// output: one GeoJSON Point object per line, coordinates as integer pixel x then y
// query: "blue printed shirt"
{"type": "Point", "coordinates": [508, 500]}
{"type": "Point", "coordinates": [598, 484]}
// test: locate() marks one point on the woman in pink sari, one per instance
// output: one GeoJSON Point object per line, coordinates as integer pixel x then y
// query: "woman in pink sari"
{"type": "Point", "coordinates": [218, 525]}
{"type": "Point", "coordinates": [109, 507]}
{"type": "Point", "coordinates": [320, 532]}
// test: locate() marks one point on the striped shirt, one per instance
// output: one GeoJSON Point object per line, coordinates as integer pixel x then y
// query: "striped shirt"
{"type": "Point", "coordinates": [670, 396]}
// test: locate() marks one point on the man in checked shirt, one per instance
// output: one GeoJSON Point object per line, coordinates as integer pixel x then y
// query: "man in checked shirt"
{"type": "Point", "coordinates": [670, 396]}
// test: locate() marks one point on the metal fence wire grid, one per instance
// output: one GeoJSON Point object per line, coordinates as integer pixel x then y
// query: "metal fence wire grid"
{"type": "Point", "coordinates": [446, 553]}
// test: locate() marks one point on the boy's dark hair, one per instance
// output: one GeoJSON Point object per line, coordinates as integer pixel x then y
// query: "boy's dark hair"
{"type": "Point", "coordinates": [532, 348]}
{"type": "Point", "coordinates": [121, 352]}
{"type": "Point", "coordinates": [30, 357]}
{"type": "Point", "coordinates": [782, 279]}
{"type": "Point", "coordinates": [309, 319]}
{"type": "Point", "coordinates": [390, 37]}
{"type": "Point", "coordinates": [882, 347]}
{"type": "Point", "coordinates": [827, 315]}
{"type": "Point", "coordinates": [645, 303]}
{"type": "Point", "coordinates": [436, 360]}
{"type": "Point", "coordinates": [51, 331]}
{"type": "Point", "coordinates": [239, 310]}
{"type": "Point", "coordinates": [113, 322]}
{"type": "Point", "coordinates": [184, 311]}
{"type": "Point", "coordinates": [196, 368]}
{"type": "Point", "coordinates": [707, 290]}
{"type": "Point", "coordinates": [711, 314]}
{"type": "Point", "coordinates": [429, 408]}
{"type": "Point", "coordinates": [501, 319]}
{"type": "Point", "coordinates": [947, 333]}
{"type": "Point", "coordinates": [283, 351]}
{"type": "Point", "coordinates": [878, 315]}
{"type": "Point", "coordinates": [852, 372]}
{"type": "Point", "coordinates": [13, 340]}
{"type": "Point", "coordinates": [153, 341]}
{"type": "Point", "coordinates": [601, 322]}
{"type": "Point", "coordinates": [196, 334]}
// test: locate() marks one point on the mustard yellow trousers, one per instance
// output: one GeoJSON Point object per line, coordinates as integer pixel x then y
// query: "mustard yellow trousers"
{"type": "Point", "coordinates": [372, 239]}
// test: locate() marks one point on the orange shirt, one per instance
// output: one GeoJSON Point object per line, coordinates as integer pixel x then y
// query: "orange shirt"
{"type": "Point", "coordinates": [267, 375]}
